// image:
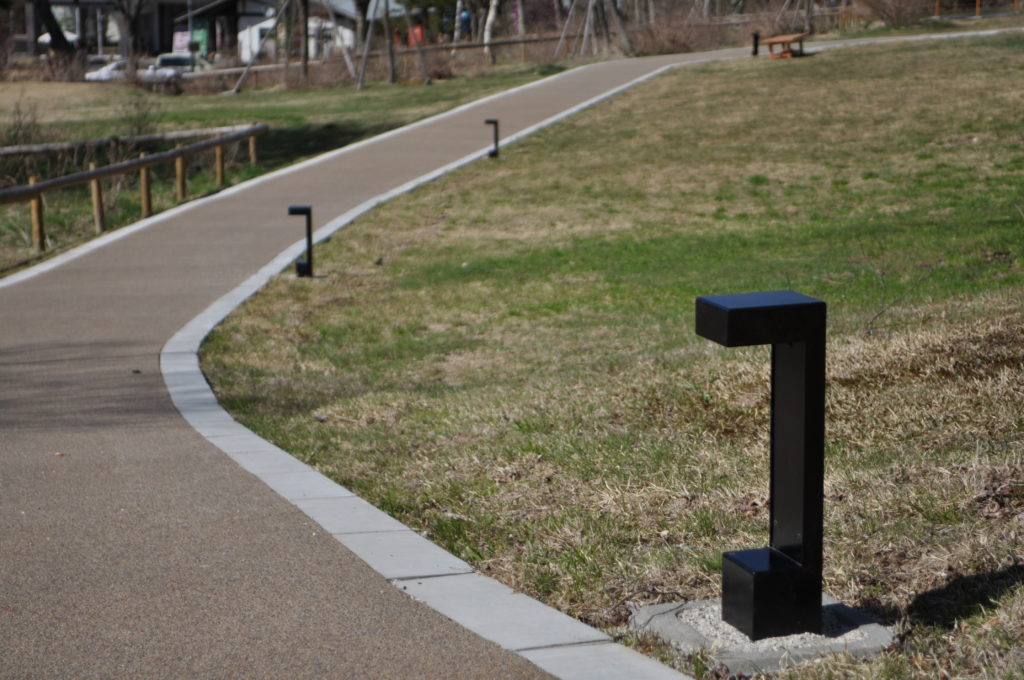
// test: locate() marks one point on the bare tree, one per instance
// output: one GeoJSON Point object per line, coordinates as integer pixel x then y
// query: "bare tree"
{"type": "Point", "coordinates": [362, 10]}
{"type": "Point", "coordinates": [492, 15]}
{"type": "Point", "coordinates": [620, 27]}
{"type": "Point", "coordinates": [58, 41]}
{"type": "Point", "coordinates": [389, 41]}
{"type": "Point", "coordinates": [457, 31]}
{"type": "Point", "coordinates": [128, 15]}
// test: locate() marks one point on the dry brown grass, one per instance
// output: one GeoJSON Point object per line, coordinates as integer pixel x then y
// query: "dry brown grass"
{"type": "Point", "coordinates": [521, 380]}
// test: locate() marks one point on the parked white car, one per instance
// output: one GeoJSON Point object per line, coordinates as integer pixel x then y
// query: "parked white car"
{"type": "Point", "coordinates": [118, 70]}
{"type": "Point", "coordinates": [183, 62]}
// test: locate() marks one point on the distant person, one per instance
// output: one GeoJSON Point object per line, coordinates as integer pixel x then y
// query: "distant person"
{"type": "Point", "coordinates": [465, 23]}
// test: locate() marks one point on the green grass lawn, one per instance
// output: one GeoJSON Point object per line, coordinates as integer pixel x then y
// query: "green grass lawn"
{"type": "Point", "coordinates": [505, 358]}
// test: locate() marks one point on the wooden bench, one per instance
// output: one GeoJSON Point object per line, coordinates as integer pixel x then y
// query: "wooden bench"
{"type": "Point", "coordinates": [785, 43]}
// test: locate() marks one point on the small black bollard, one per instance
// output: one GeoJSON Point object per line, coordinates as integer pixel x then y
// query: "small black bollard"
{"type": "Point", "coordinates": [305, 268]}
{"type": "Point", "coordinates": [775, 591]}
{"type": "Point", "coordinates": [757, 41]}
{"type": "Point", "coordinates": [494, 122]}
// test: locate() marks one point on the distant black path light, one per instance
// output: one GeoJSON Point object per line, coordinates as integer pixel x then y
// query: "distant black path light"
{"type": "Point", "coordinates": [775, 591]}
{"type": "Point", "coordinates": [494, 122]}
{"type": "Point", "coordinates": [305, 268]}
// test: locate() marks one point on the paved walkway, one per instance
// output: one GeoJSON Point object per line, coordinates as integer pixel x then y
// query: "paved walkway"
{"type": "Point", "coordinates": [132, 546]}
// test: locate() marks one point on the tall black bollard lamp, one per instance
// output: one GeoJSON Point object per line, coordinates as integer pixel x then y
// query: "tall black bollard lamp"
{"type": "Point", "coordinates": [494, 122]}
{"type": "Point", "coordinates": [775, 591]}
{"type": "Point", "coordinates": [305, 268]}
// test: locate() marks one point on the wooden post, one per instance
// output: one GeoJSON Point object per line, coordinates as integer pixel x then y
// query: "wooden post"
{"type": "Point", "coordinates": [179, 176]}
{"type": "Point", "coordinates": [145, 193]}
{"type": "Point", "coordinates": [96, 190]}
{"type": "Point", "coordinates": [977, 8]}
{"type": "Point", "coordinates": [252, 149]}
{"type": "Point", "coordinates": [218, 154]}
{"type": "Point", "coordinates": [938, 9]}
{"type": "Point", "coordinates": [38, 232]}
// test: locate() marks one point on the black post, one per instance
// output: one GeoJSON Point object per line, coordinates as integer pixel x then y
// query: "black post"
{"type": "Point", "coordinates": [775, 591]}
{"type": "Point", "coordinates": [305, 268]}
{"type": "Point", "coordinates": [757, 42]}
{"type": "Point", "coordinates": [494, 122]}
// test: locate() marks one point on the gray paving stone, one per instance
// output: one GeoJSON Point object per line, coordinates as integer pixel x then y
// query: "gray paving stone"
{"type": "Point", "coordinates": [601, 661]}
{"type": "Point", "coordinates": [498, 613]}
{"type": "Point", "coordinates": [348, 515]}
{"type": "Point", "coordinates": [269, 461]}
{"type": "Point", "coordinates": [211, 424]}
{"type": "Point", "coordinates": [308, 484]}
{"type": "Point", "coordinates": [403, 555]}
{"type": "Point", "coordinates": [239, 440]}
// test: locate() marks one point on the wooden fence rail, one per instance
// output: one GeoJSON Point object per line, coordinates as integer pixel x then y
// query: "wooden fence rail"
{"type": "Point", "coordinates": [33, 191]}
{"type": "Point", "coordinates": [26, 149]}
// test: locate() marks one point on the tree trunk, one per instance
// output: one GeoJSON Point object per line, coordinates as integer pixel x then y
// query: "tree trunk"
{"type": "Point", "coordinates": [492, 15]}
{"type": "Point", "coordinates": [603, 28]}
{"type": "Point", "coordinates": [58, 41]}
{"type": "Point", "coordinates": [366, 53]}
{"type": "Point", "coordinates": [362, 9]}
{"type": "Point", "coordinates": [304, 12]}
{"type": "Point", "coordinates": [457, 32]}
{"type": "Point", "coordinates": [390, 42]}
{"type": "Point", "coordinates": [565, 28]}
{"type": "Point", "coordinates": [256, 53]}
{"type": "Point", "coordinates": [424, 69]}
{"type": "Point", "coordinates": [627, 44]}
{"type": "Point", "coordinates": [589, 39]}
{"type": "Point", "coordinates": [339, 36]}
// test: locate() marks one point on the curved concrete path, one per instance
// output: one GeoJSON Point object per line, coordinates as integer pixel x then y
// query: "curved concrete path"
{"type": "Point", "coordinates": [132, 546]}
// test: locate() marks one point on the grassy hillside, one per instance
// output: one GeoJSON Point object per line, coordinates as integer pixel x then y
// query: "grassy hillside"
{"type": "Point", "coordinates": [506, 360]}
